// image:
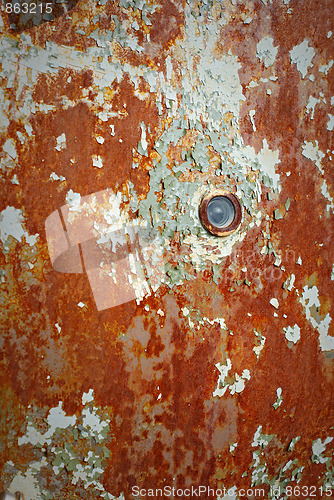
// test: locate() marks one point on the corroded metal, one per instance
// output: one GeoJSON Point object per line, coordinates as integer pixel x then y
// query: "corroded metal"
{"type": "Point", "coordinates": [220, 375]}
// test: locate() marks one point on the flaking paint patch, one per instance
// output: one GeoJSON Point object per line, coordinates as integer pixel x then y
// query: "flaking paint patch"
{"type": "Point", "coordinates": [261, 473]}
{"type": "Point", "coordinates": [266, 51]}
{"type": "Point", "coordinates": [27, 481]}
{"type": "Point", "coordinates": [318, 448]}
{"type": "Point", "coordinates": [88, 428]}
{"type": "Point", "coordinates": [215, 86]}
{"type": "Point", "coordinates": [292, 333]}
{"type": "Point", "coordinates": [312, 151]}
{"type": "Point", "coordinates": [311, 303]}
{"type": "Point", "coordinates": [330, 123]}
{"type": "Point", "coordinates": [9, 148]}
{"type": "Point", "coordinates": [311, 105]}
{"type": "Point", "coordinates": [236, 385]}
{"type": "Point", "coordinates": [57, 418]}
{"type": "Point", "coordinates": [103, 60]}
{"type": "Point", "coordinates": [302, 55]}
{"type": "Point", "coordinates": [266, 160]}
{"type": "Point", "coordinates": [11, 224]}
{"type": "Point", "coordinates": [279, 399]}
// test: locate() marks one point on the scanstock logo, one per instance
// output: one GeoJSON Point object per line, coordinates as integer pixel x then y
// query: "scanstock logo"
{"type": "Point", "coordinates": [123, 257]}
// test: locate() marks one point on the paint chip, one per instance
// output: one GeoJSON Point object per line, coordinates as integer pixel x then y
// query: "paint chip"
{"type": "Point", "coordinates": [266, 51]}
{"type": "Point", "coordinates": [87, 397]}
{"type": "Point", "coordinates": [292, 333]}
{"type": "Point", "coordinates": [274, 302]}
{"type": "Point", "coordinates": [97, 161]}
{"type": "Point", "coordinates": [302, 56]}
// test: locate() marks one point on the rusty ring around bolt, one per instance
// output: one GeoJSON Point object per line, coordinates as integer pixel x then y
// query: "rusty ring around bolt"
{"type": "Point", "coordinates": [220, 231]}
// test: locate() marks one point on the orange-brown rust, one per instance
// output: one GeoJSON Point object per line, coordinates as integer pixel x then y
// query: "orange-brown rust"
{"type": "Point", "coordinates": [129, 355]}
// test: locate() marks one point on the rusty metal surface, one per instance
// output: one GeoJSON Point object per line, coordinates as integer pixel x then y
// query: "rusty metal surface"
{"type": "Point", "coordinates": [220, 375]}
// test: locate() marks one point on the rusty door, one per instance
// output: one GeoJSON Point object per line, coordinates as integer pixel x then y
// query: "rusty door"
{"type": "Point", "coordinates": [166, 229]}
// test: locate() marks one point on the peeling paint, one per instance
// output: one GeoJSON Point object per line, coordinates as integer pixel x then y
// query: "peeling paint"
{"type": "Point", "coordinates": [117, 118]}
{"type": "Point", "coordinates": [266, 51]}
{"type": "Point", "coordinates": [302, 55]}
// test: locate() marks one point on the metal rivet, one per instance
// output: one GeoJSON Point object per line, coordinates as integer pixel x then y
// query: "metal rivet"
{"type": "Point", "coordinates": [220, 212]}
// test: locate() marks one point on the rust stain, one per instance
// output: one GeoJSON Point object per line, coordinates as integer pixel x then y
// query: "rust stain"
{"type": "Point", "coordinates": [154, 367]}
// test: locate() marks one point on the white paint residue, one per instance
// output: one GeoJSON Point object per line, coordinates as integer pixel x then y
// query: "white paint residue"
{"type": "Point", "coordinates": [326, 67]}
{"type": "Point", "coordinates": [279, 399]}
{"type": "Point", "coordinates": [220, 321]}
{"type": "Point", "coordinates": [61, 142]}
{"type": "Point", "coordinates": [311, 104]}
{"type": "Point", "coordinates": [311, 303]}
{"type": "Point", "coordinates": [87, 397]}
{"type": "Point", "coordinates": [311, 151]}
{"type": "Point", "coordinates": [32, 436]}
{"type": "Point", "coordinates": [169, 68]}
{"type": "Point", "coordinates": [318, 447]}
{"type": "Point", "coordinates": [239, 383]}
{"type": "Point", "coordinates": [73, 200]}
{"type": "Point", "coordinates": [143, 140]}
{"type": "Point", "coordinates": [215, 84]}
{"type": "Point", "coordinates": [58, 418]}
{"type": "Point", "coordinates": [97, 161]}
{"type": "Point", "coordinates": [326, 194]}
{"type": "Point", "coordinates": [100, 139]}
{"type": "Point", "coordinates": [93, 422]}
{"type": "Point", "coordinates": [274, 302]}
{"type": "Point", "coordinates": [290, 282]}
{"type": "Point", "coordinates": [233, 446]}
{"type": "Point", "coordinates": [251, 116]}
{"type": "Point", "coordinates": [268, 159]}
{"type": "Point", "coordinates": [87, 469]}
{"type": "Point", "coordinates": [239, 380]}
{"type": "Point", "coordinates": [302, 56]}
{"type": "Point", "coordinates": [199, 247]}
{"type": "Point", "coordinates": [11, 224]}
{"type": "Point", "coordinates": [185, 310]}
{"type": "Point", "coordinates": [266, 51]}
{"type": "Point", "coordinates": [292, 333]}
{"type": "Point", "coordinates": [326, 341]}
{"type": "Point", "coordinates": [259, 438]}
{"type": "Point", "coordinates": [330, 123]}
{"type": "Point", "coordinates": [221, 385]}
{"type": "Point", "coordinates": [27, 482]}
{"type": "Point", "coordinates": [56, 177]}
{"type": "Point", "coordinates": [9, 148]}
{"type": "Point", "coordinates": [4, 122]}
{"type": "Point", "coordinates": [258, 348]}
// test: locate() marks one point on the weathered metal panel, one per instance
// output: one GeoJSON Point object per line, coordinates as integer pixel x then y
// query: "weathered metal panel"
{"type": "Point", "coordinates": [207, 361]}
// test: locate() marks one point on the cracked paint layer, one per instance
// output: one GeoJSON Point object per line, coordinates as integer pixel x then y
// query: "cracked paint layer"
{"type": "Point", "coordinates": [221, 371]}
